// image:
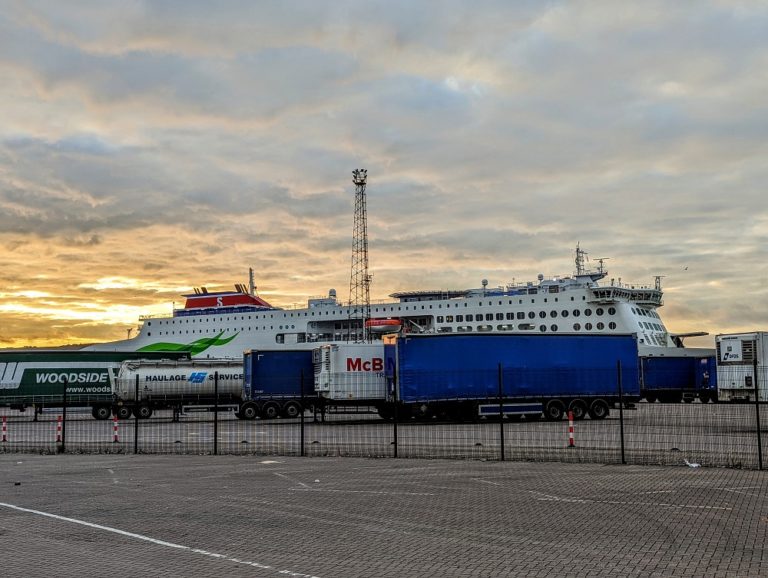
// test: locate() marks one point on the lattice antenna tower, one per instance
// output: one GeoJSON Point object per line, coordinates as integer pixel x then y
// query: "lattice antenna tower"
{"type": "Point", "coordinates": [360, 280]}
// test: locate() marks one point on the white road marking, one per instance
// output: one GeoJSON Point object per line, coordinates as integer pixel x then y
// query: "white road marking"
{"type": "Point", "coordinates": [158, 542]}
{"type": "Point", "coordinates": [486, 481]}
{"type": "Point", "coordinates": [302, 484]}
{"type": "Point", "coordinates": [550, 498]}
{"type": "Point", "coordinates": [308, 489]}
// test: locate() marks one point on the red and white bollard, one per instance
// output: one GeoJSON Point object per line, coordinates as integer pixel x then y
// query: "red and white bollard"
{"type": "Point", "coordinates": [5, 431]}
{"type": "Point", "coordinates": [115, 435]}
{"type": "Point", "coordinates": [571, 442]}
{"type": "Point", "coordinates": [58, 430]}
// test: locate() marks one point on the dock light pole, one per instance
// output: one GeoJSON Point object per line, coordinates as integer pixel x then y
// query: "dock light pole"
{"type": "Point", "coordinates": [360, 280]}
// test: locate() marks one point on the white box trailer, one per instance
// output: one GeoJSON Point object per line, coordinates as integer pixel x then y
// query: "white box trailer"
{"type": "Point", "coordinates": [736, 357]}
{"type": "Point", "coordinates": [350, 372]}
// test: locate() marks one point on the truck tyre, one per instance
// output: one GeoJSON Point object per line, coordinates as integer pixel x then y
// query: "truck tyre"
{"type": "Point", "coordinates": [143, 411]}
{"type": "Point", "coordinates": [270, 410]}
{"type": "Point", "coordinates": [248, 411]}
{"type": "Point", "coordinates": [579, 409]}
{"type": "Point", "coordinates": [101, 412]}
{"type": "Point", "coordinates": [704, 396]}
{"type": "Point", "coordinates": [650, 398]}
{"type": "Point", "coordinates": [291, 409]}
{"type": "Point", "coordinates": [599, 409]}
{"type": "Point", "coordinates": [554, 410]}
{"type": "Point", "coordinates": [385, 412]}
{"type": "Point", "coordinates": [123, 412]}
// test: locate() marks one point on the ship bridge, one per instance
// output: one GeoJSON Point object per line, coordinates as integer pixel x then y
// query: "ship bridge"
{"type": "Point", "coordinates": [641, 296]}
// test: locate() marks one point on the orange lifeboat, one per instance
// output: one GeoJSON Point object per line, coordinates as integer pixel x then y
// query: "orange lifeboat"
{"type": "Point", "coordinates": [383, 325]}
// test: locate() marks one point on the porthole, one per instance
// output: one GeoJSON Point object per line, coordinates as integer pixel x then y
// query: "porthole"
{"type": "Point", "coordinates": [577, 326]}
{"type": "Point", "coordinates": [611, 325]}
{"type": "Point", "coordinates": [542, 328]}
{"type": "Point", "coordinates": [553, 327]}
{"type": "Point", "coordinates": [576, 312]}
{"type": "Point", "coordinates": [611, 311]}
{"type": "Point", "coordinates": [531, 315]}
{"type": "Point", "coordinates": [564, 313]}
{"type": "Point", "coordinates": [587, 312]}
{"type": "Point", "coordinates": [553, 313]}
{"type": "Point", "coordinates": [542, 314]}
{"type": "Point", "coordinates": [588, 326]}
{"type": "Point", "coordinates": [599, 311]}
{"type": "Point", "coordinates": [601, 325]}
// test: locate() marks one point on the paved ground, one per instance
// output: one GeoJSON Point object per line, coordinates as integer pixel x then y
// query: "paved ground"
{"type": "Point", "coordinates": [125, 515]}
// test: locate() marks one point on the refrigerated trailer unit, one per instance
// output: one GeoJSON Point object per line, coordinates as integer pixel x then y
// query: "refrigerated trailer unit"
{"type": "Point", "coordinates": [742, 360]}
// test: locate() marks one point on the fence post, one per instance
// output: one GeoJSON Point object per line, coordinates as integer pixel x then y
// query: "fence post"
{"type": "Point", "coordinates": [396, 412]}
{"type": "Point", "coordinates": [62, 448]}
{"type": "Point", "coordinates": [757, 414]}
{"type": "Point", "coordinates": [621, 410]}
{"type": "Point", "coordinates": [501, 411]}
{"type": "Point", "coordinates": [136, 419]}
{"type": "Point", "coordinates": [215, 413]}
{"type": "Point", "coordinates": [301, 411]}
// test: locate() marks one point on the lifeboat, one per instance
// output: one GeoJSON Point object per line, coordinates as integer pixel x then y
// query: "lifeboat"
{"type": "Point", "coordinates": [383, 325]}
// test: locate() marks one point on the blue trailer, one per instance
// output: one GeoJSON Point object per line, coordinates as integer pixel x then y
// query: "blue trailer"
{"type": "Point", "coordinates": [673, 379]}
{"type": "Point", "coordinates": [277, 383]}
{"type": "Point", "coordinates": [460, 376]}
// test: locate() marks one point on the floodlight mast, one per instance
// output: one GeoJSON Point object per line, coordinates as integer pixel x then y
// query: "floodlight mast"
{"type": "Point", "coordinates": [360, 280]}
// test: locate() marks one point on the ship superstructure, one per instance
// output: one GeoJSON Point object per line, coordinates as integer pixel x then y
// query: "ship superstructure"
{"type": "Point", "coordinates": [224, 324]}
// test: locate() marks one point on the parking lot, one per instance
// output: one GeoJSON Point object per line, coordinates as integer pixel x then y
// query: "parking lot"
{"type": "Point", "coordinates": [74, 515]}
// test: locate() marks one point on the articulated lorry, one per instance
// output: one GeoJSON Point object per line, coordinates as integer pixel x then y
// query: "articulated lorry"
{"type": "Point", "coordinates": [458, 377]}
{"type": "Point", "coordinates": [38, 379]}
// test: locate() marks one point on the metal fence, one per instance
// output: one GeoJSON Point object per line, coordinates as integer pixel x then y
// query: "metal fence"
{"type": "Point", "coordinates": [709, 434]}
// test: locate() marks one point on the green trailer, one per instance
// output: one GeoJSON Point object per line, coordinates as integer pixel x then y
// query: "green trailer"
{"type": "Point", "coordinates": [40, 378]}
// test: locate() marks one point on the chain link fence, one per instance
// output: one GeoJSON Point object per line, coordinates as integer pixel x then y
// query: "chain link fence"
{"type": "Point", "coordinates": [710, 434]}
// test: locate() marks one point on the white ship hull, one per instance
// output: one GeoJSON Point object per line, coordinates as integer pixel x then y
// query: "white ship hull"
{"type": "Point", "coordinates": [572, 305]}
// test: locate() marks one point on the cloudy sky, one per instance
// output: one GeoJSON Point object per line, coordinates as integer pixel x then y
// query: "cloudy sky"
{"type": "Point", "coordinates": [150, 147]}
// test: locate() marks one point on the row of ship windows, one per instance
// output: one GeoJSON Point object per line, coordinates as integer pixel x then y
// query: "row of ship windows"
{"type": "Point", "coordinates": [525, 326]}
{"type": "Point", "coordinates": [192, 319]}
{"type": "Point", "coordinates": [645, 312]}
{"type": "Point", "coordinates": [519, 315]}
{"type": "Point", "coordinates": [459, 318]}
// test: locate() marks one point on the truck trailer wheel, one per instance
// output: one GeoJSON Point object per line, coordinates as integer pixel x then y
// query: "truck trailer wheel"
{"type": "Point", "coordinates": [123, 412]}
{"type": "Point", "coordinates": [101, 412]}
{"type": "Point", "coordinates": [270, 410]}
{"type": "Point", "coordinates": [599, 409]}
{"type": "Point", "coordinates": [554, 410]}
{"type": "Point", "coordinates": [579, 409]}
{"type": "Point", "coordinates": [291, 409]}
{"type": "Point", "coordinates": [143, 411]}
{"type": "Point", "coordinates": [248, 411]}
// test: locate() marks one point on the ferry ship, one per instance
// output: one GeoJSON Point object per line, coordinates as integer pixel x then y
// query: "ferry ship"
{"type": "Point", "coordinates": [224, 324]}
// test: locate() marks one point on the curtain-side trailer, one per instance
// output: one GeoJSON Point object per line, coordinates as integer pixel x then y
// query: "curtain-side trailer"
{"type": "Point", "coordinates": [460, 376]}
